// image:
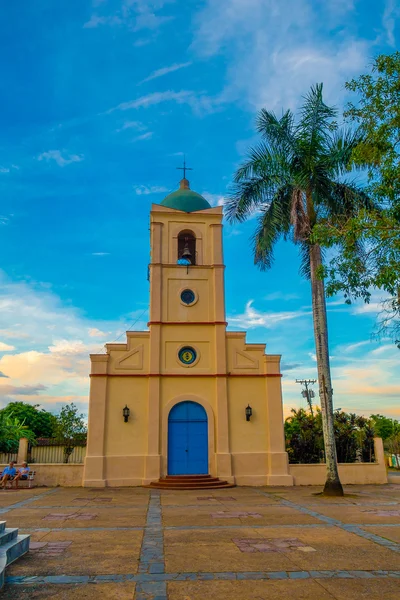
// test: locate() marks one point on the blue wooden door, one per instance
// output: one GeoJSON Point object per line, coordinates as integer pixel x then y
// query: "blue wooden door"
{"type": "Point", "coordinates": [187, 440]}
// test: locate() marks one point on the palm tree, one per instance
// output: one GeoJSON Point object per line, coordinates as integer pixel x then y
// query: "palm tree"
{"type": "Point", "coordinates": [294, 177]}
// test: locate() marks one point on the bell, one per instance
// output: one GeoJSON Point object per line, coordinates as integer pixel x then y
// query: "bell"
{"type": "Point", "coordinates": [186, 253]}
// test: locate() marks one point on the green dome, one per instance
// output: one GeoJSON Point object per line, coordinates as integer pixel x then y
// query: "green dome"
{"type": "Point", "coordinates": [185, 199]}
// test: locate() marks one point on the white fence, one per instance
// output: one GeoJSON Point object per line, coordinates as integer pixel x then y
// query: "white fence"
{"type": "Point", "coordinates": [6, 458]}
{"type": "Point", "coordinates": [55, 454]}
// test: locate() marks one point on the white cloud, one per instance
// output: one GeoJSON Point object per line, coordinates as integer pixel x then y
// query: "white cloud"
{"type": "Point", "coordinates": [251, 318]}
{"type": "Point", "coordinates": [166, 70]}
{"type": "Point", "coordinates": [51, 344]}
{"type": "Point", "coordinates": [214, 199]}
{"type": "Point", "coordinates": [390, 17]}
{"type": "Point", "coordinates": [4, 170]}
{"type": "Point", "coordinates": [58, 157]}
{"type": "Point", "coordinates": [132, 14]}
{"type": "Point", "coordinates": [199, 102]}
{"type": "Point", "coordinates": [132, 125]}
{"type": "Point", "coordinates": [350, 348]}
{"type": "Point", "coordinates": [281, 296]}
{"type": "Point", "coordinates": [100, 253]}
{"type": "Point", "coordinates": [144, 190]}
{"type": "Point", "coordinates": [362, 309]}
{"type": "Point", "coordinates": [6, 347]}
{"type": "Point", "coordinates": [143, 136]}
{"type": "Point", "coordinates": [95, 332]}
{"type": "Point", "coordinates": [268, 44]}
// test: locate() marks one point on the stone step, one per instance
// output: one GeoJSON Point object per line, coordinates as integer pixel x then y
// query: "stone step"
{"type": "Point", "coordinates": [189, 482]}
{"type": "Point", "coordinates": [193, 476]}
{"type": "Point", "coordinates": [7, 535]}
{"type": "Point", "coordinates": [218, 486]}
{"type": "Point", "coordinates": [10, 552]}
{"type": "Point", "coordinates": [189, 479]}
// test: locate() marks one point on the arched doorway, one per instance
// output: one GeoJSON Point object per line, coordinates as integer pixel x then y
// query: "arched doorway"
{"type": "Point", "coordinates": [187, 439]}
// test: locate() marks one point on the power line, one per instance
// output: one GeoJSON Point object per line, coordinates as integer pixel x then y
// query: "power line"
{"type": "Point", "coordinates": [102, 349]}
{"type": "Point", "coordinates": [306, 392]}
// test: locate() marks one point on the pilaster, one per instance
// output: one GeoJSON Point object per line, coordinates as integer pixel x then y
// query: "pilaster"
{"type": "Point", "coordinates": [278, 462]}
{"type": "Point", "coordinates": [93, 474]}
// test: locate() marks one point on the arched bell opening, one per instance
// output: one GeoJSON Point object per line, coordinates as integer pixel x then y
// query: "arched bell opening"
{"type": "Point", "coordinates": [187, 246]}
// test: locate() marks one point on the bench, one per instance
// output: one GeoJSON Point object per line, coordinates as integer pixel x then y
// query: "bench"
{"type": "Point", "coordinates": [31, 477]}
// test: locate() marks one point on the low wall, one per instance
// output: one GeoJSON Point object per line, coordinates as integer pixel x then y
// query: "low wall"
{"type": "Point", "coordinates": [349, 473]}
{"type": "Point", "coordinates": [51, 475]}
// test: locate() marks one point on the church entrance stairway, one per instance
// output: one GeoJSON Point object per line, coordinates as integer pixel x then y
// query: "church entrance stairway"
{"type": "Point", "coordinates": [190, 482]}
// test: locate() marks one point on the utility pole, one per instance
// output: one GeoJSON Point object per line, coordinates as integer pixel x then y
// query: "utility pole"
{"type": "Point", "coordinates": [307, 393]}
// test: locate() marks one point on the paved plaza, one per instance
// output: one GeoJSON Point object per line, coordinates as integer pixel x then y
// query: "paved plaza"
{"type": "Point", "coordinates": [236, 544]}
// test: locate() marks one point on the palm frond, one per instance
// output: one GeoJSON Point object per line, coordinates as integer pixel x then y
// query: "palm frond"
{"type": "Point", "coordinates": [339, 151]}
{"type": "Point", "coordinates": [256, 181]}
{"type": "Point", "coordinates": [316, 122]}
{"type": "Point", "coordinates": [278, 133]}
{"type": "Point", "coordinates": [344, 200]}
{"type": "Point", "coordinates": [304, 252]}
{"type": "Point", "coordinates": [263, 161]}
{"type": "Point", "coordinates": [273, 223]}
{"type": "Point", "coordinates": [305, 268]}
{"type": "Point", "coordinates": [246, 198]}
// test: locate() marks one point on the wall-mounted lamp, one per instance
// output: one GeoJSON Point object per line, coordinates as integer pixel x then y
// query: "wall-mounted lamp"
{"type": "Point", "coordinates": [249, 412]}
{"type": "Point", "coordinates": [126, 412]}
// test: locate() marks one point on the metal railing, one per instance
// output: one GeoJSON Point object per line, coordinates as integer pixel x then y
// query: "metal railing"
{"type": "Point", "coordinates": [55, 454]}
{"type": "Point", "coordinates": [7, 457]}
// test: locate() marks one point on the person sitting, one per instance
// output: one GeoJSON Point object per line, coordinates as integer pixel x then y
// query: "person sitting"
{"type": "Point", "coordinates": [8, 474]}
{"type": "Point", "coordinates": [22, 474]}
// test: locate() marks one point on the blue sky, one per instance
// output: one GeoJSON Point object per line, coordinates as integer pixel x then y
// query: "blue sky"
{"type": "Point", "coordinates": [99, 100]}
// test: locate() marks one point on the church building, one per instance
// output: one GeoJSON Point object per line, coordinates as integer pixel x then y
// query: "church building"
{"type": "Point", "coordinates": [187, 397]}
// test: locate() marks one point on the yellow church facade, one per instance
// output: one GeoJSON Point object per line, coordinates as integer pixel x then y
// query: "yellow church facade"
{"type": "Point", "coordinates": [200, 399]}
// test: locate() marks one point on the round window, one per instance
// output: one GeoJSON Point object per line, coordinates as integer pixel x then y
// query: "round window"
{"type": "Point", "coordinates": [187, 355]}
{"type": "Point", "coordinates": [188, 296]}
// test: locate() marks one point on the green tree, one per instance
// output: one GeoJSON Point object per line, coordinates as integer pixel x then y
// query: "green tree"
{"type": "Point", "coordinates": [303, 434]}
{"type": "Point", "coordinates": [354, 437]}
{"type": "Point", "coordinates": [11, 431]}
{"type": "Point", "coordinates": [377, 114]}
{"type": "Point", "coordinates": [41, 422]}
{"type": "Point", "coordinates": [70, 429]}
{"type": "Point", "coordinates": [384, 426]}
{"type": "Point", "coordinates": [294, 177]}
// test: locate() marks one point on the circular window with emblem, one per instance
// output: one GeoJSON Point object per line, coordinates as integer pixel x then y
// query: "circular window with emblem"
{"type": "Point", "coordinates": [188, 297]}
{"type": "Point", "coordinates": [187, 355]}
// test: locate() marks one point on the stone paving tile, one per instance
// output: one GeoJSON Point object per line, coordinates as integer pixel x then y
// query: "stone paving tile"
{"type": "Point", "coordinates": [203, 516]}
{"type": "Point", "coordinates": [362, 589]}
{"type": "Point", "coordinates": [48, 549]}
{"type": "Point", "coordinates": [247, 590]}
{"type": "Point", "coordinates": [33, 517]}
{"type": "Point", "coordinates": [271, 545]}
{"type": "Point", "coordinates": [65, 496]}
{"type": "Point", "coordinates": [208, 551]}
{"type": "Point", "coordinates": [390, 533]}
{"type": "Point", "coordinates": [100, 591]}
{"type": "Point", "coordinates": [88, 554]}
{"type": "Point", "coordinates": [202, 550]}
{"type": "Point", "coordinates": [78, 516]}
{"type": "Point", "coordinates": [225, 514]}
{"type": "Point", "coordinates": [357, 514]}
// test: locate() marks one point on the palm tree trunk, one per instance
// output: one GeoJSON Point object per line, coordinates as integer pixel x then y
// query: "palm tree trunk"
{"type": "Point", "coordinates": [333, 487]}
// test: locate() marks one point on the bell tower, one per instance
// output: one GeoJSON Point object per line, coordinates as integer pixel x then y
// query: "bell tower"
{"type": "Point", "coordinates": [187, 306]}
